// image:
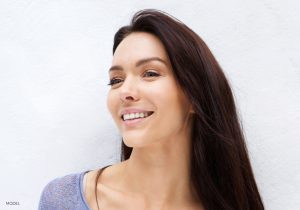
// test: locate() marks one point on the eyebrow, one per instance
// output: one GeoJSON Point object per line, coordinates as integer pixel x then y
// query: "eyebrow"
{"type": "Point", "coordinates": [139, 63]}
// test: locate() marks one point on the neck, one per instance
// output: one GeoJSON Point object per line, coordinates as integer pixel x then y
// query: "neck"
{"type": "Point", "coordinates": [160, 173]}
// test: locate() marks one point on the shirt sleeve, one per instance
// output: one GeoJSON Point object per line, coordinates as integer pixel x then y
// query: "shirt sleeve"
{"type": "Point", "coordinates": [61, 193]}
{"type": "Point", "coordinates": [49, 198]}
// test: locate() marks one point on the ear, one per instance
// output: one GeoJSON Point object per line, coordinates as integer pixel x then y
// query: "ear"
{"type": "Point", "coordinates": [191, 110]}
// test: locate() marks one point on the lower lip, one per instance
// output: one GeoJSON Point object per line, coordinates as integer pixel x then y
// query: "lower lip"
{"type": "Point", "coordinates": [135, 121]}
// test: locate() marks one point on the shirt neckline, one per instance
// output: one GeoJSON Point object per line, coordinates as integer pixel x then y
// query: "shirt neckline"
{"type": "Point", "coordinates": [81, 186]}
{"type": "Point", "coordinates": [82, 190]}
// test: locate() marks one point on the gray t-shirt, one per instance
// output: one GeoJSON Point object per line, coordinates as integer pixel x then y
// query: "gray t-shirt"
{"type": "Point", "coordinates": [64, 193]}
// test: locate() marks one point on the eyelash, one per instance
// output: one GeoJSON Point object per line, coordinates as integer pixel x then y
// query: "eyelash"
{"type": "Point", "coordinates": [112, 81]}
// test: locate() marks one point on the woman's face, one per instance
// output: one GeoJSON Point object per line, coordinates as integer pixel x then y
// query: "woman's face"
{"type": "Point", "coordinates": [143, 82]}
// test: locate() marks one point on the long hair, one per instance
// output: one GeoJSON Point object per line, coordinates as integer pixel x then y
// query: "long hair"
{"type": "Point", "coordinates": [220, 169]}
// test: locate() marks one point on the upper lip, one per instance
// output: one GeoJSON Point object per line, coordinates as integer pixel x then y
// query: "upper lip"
{"type": "Point", "coordinates": [132, 110]}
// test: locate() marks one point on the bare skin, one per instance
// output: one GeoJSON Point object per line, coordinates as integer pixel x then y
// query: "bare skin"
{"type": "Point", "coordinates": [156, 176]}
{"type": "Point", "coordinates": [110, 196]}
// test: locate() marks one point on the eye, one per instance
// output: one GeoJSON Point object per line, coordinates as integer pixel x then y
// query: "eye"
{"type": "Point", "coordinates": [114, 81]}
{"type": "Point", "coordinates": [151, 73]}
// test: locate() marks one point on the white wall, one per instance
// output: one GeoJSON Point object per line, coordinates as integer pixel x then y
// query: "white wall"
{"type": "Point", "coordinates": [54, 57]}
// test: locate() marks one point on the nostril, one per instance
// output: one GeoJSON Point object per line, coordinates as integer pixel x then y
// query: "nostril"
{"type": "Point", "coordinates": [129, 97]}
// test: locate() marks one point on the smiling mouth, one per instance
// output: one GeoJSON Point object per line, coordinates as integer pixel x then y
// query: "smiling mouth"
{"type": "Point", "coordinates": [138, 115]}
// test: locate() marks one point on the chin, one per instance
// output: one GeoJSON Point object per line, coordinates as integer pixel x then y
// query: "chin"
{"type": "Point", "coordinates": [135, 141]}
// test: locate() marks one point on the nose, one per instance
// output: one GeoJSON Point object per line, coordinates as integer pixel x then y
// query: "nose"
{"type": "Point", "coordinates": [129, 91]}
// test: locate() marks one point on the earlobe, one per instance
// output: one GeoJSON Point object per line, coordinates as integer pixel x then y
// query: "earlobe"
{"type": "Point", "coordinates": [192, 110]}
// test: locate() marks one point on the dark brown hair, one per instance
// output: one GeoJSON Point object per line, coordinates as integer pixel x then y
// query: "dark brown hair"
{"type": "Point", "coordinates": [221, 173]}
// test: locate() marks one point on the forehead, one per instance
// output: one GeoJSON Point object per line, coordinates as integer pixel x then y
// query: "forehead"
{"type": "Point", "coordinates": [139, 45]}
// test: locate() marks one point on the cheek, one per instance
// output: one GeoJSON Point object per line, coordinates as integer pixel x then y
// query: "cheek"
{"type": "Point", "coordinates": [165, 96]}
{"type": "Point", "coordinates": [172, 102]}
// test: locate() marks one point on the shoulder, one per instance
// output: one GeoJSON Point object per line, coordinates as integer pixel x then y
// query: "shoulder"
{"type": "Point", "coordinates": [104, 179]}
{"type": "Point", "coordinates": [89, 182]}
{"type": "Point", "coordinates": [62, 192]}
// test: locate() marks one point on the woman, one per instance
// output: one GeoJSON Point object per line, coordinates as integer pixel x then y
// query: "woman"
{"type": "Point", "coordinates": [182, 144]}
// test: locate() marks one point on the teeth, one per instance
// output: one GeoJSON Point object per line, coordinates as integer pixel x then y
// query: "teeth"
{"type": "Point", "coordinates": [134, 116]}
